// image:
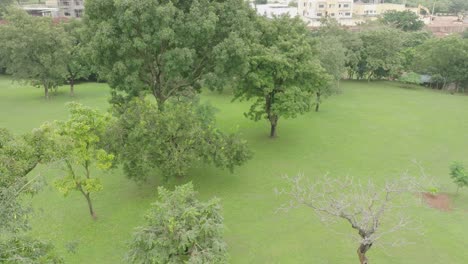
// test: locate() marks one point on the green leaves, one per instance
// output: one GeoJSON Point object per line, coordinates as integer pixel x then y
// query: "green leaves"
{"type": "Point", "coordinates": [405, 20]}
{"type": "Point", "coordinates": [283, 73]}
{"type": "Point", "coordinates": [24, 249]}
{"type": "Point", "coordinates": [459, 175]}
{"type": "Point", "coordinates": [34, 49]}
{"type": "Point", "coordinates": [167, 48]}
{"type": "Point", "coordinates": [446, 57]}
{"type": "Point", "coordinates": [65, 185]}
{"type": "Point", "coordinates": [180, 229]}
{"type": "Point", "coordinates": [77, 144]}
{"type": "Point", "coordinates": [172, 140]}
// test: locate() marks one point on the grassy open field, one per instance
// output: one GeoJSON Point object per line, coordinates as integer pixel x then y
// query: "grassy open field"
{"type": "Point", "coordinates": [369, 131]}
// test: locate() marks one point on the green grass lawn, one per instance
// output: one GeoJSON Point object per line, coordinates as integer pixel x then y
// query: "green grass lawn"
{"type": "Point", "coordinates": [369, 131]}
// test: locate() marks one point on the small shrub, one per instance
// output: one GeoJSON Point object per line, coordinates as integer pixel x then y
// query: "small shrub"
{"type": "Point", "coordinates": [459, 175]}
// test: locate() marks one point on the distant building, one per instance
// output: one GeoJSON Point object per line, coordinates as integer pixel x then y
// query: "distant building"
{"type": "Point", "coordinates": [48, 9]}
{"type": "Point", "coordinates": [70, 8]}
{"type": "Point", "coordinates": [38, 10]}
{"type": "Point", "coordinates": [368, 9]}
{"type": "Point", "coordinates": [314, 10]}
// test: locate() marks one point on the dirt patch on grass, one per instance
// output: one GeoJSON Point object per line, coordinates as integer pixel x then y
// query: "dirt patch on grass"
{"type": "Point", "coordinates": [441, 201]}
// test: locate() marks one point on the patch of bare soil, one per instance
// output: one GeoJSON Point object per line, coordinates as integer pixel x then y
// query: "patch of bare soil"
{"type": "Point", "coordinates": [441, 201]}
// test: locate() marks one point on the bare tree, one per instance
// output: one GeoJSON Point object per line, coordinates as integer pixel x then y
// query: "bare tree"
{"type": "Point", "coordinates": [364, 206]}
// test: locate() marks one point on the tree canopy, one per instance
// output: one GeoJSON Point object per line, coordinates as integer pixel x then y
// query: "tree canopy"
{"type": "Point", "coordinates": [166, 48]}
{"type": "Point", "coordinates": [284, 72]}
{"type": "Point", "coordinates": [34, 49]}
{"type": "Point", "coordinates": [180, 229]}
{"type": "Point", "coordinates": [405, 20]}
{"type": "Point", "coordinates": [147, 138]}
{"type": "Point", "coordinates": [447, 57]}
{"type": "Point", "coordinates": [78, 61]}
{"type": "Point", "coordinates": [380, 54]}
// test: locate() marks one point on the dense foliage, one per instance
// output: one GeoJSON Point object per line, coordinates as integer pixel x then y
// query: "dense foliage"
{"type": "Point", "coordinates": [180, 229]}
{"type": "Point", "coordinates": [447, 58]}
{"type": "Point", "coordinates": [166, 48]}
{"type": "Point", "coordinates": [459, 175]}
{"type": "Point", "coordinates": [174, 140]}
{"type": "Point", "coordinates": [78, 62]}
{"type": "Point", "coordinates": [405, 20]}
{"type": "Point", "coordinates": [25, 249]}
{"type": "Point", "coordinates": [43, 65]}
{"type": "Point", "coordinates": [284, 72]}
{"type": "Point", "coordinates": [18, 157]}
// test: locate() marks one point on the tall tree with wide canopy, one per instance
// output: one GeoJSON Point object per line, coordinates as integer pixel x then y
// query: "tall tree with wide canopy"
{"type": "Point", "coordinates": [284, 74]}
{"type": "Point", "coordinates": [167, 48]}
{"type": "Point", "coordinates": [34, 49]}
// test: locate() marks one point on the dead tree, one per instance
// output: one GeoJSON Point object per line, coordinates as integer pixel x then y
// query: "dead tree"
{"type": "Point", "coordinates": [363, 206]}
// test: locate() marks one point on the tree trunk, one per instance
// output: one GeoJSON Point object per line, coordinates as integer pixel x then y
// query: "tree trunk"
{"type": "Point", "coordinates": [269, 100]}
{"type": "Point", "coordinates": [317, 103]}
{"type": "Point", "coordinates": [160, 99]}
{"type": "Point", "coordinates": [72, 86]}
{"type": "Point", "coordinates": [90, 206]}
{"type": "Point", "coordinates": [273, 130]}
{"type": "Point", "coordinates": [46, 92]}
{"type": "Point", "coordinates": [362, 250]}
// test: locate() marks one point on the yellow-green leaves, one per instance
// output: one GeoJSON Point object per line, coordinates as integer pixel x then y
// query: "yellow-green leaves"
{"type": "Point", "coordinates": [65, 185]}
{"type": "Point", "coordinates": [77, 145]}
{"type": "Point", "coordinates": [104, 160]}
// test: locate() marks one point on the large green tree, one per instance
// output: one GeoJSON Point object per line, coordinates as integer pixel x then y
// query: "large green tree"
{"type": "Point", "coordinates": [166, 48]}
{"type": "Point", "coordinates": [77, 145]}
{"type": "Point", "coordinates": [34, 49]}
{"type": "Point", "coordinates": [446, 57]}
{"type": "Point", "coordinates": [147, 138]}
{"type": "Point", "coordinates": [380, 56]}
{"type": "Point", "coordinates": [283, 75]}
{"type": "Point", "coordinates": [78, 61]}
{"type": "Point", "coordinates": [350, 41]}
{"type": "Point", "coordinates": [180, 229]}
{"type": "Point", "coordinates": [405, 20]}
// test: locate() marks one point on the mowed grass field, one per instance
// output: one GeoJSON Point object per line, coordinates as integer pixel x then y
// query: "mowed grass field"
{"type": "Point", "coordinates": [369, 131]}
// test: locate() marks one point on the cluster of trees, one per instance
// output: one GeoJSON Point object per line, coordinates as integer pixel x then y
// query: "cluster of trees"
{"type": "Point", "coordinates": [157, 56]}
{"type": "Point", "coordinates": [394, 49]}
{"type": "Point", "coordinates": [43, 52]}
{"type": "Point", "coordinates": [156, 65]}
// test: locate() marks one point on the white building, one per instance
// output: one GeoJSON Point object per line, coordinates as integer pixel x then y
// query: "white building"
{"type": "Point", "coordinates": [313, 10]}
{"type": "Point", "coordinates": [70, 8]}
